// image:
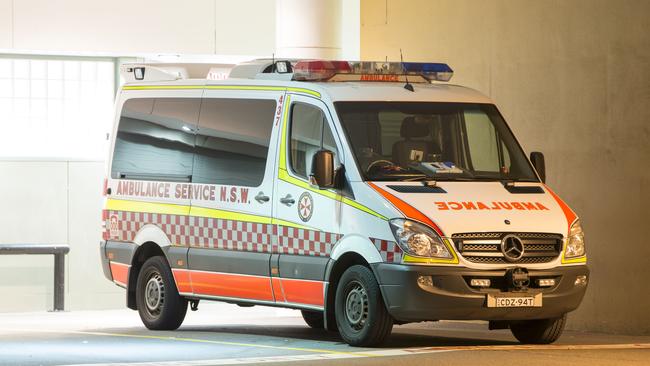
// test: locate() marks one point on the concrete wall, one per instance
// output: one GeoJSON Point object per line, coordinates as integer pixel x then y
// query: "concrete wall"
{"type": "Point", "coordinates": [573, 80]}
{"type": "Point", "coordinates": [51, 202]}
{"type": "Point", "coordinates": [149, 26]}
{"type": "Point", "coordinates": [123, 27]}
{"type": "Point", "coordinates": [59, 201]}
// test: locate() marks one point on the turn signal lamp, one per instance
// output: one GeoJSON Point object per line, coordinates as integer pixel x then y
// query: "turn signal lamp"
{"type": "Point", "coordinates": [323, 70]}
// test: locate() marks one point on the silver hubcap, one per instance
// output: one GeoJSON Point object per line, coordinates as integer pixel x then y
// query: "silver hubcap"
{"type": "Point", "coordinates": [154, 294]}
{"type": "Point", "coordinates": [356, 306]}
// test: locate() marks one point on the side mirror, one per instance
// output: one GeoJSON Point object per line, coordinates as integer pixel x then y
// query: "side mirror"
{"type": "Point", "coordinates": [323, 173]}
{"type": "Point", "coordinates": [537, 158]}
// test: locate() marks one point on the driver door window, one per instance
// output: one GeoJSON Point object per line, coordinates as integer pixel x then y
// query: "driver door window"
{"type": "Point", "coordinates": [309, 134]}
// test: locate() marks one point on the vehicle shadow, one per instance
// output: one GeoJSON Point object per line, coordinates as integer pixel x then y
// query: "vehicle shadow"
{"type": "Point", "coordinates": [400, 338]}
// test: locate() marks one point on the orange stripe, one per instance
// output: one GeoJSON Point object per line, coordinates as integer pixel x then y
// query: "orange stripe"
{"type": "Point", "coordinates": [406, 209]}
{"type": "Point", "coordinates": [120, 272]}
{"type": "Point", "coordinates": [303, 292]}
{"type": "Point", "coordinates": [182, 279]}
{"type": "Point", "coordinates": [277, 289]}
{"type": "Point", "coordinates": [232, 285]}
{"type": "Point", "coordinates": [568, 212]}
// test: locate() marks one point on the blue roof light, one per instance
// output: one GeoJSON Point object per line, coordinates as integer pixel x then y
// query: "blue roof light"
{"type": "Point", "coordinates": [429, 70]}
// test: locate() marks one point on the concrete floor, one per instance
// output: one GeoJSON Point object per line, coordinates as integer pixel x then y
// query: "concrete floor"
{"type": "Point", "coordinates": [220, 334]}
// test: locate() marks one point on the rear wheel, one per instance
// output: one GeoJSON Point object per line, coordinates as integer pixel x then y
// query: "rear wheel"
{"type": "Point", "coordinates": [361, 316]}
{"type": "Point", "coordinates": [159, 304]}
{"type": "Point", "coordinates": [542, 331]}
{"type": "Point", "coordinates": [314, 319]}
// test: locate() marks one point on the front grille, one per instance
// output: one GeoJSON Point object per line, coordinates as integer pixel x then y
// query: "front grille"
{"type": "Point", "coordinates": [486, 247]}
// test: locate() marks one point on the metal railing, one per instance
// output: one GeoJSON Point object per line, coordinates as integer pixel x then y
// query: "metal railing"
{"type": "Point", "coordinates": [59, 251]}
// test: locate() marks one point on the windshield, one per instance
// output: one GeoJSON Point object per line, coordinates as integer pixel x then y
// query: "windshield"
{"type": "Point", "coordinates": [432, 141]}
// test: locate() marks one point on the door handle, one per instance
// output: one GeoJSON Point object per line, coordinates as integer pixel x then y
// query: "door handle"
{"type": "Point", "coordinates": [288, 200]}
{"type": "Point", "coordinates": [262, 198]}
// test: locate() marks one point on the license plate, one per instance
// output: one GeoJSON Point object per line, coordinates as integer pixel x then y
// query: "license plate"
{"type": "Point", "coordinates": [525, 301]}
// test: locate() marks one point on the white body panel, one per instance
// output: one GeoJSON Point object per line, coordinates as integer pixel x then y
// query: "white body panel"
{"type": "Point", "coordinates": [447, 210]}
{"type": "Point", "coordinates": [364, 215]}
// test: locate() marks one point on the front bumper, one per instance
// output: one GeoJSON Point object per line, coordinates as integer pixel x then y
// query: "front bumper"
{"type": "Point", "coordinates": [451, 297]}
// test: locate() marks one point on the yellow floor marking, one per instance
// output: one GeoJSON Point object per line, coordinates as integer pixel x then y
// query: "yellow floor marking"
{"type": "Point", "coordinates": [527, 347]}
{"type": "Point", "coordinates": [195, 340]}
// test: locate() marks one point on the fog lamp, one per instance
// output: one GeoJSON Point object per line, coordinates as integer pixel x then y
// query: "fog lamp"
{"type": "Point", "coordinates": [580, 280]}
{"type": "Point", "coordinates": [425, 281]}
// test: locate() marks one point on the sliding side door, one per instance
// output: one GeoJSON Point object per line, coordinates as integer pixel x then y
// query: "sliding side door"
{"type": "Point", "coordinates": [232, 195]}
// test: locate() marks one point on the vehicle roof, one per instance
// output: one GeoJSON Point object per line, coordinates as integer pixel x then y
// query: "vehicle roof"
{"type": "Point", "coordinates": [352, 90]}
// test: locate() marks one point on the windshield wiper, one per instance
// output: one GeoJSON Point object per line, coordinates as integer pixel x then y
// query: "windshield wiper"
{"type": "Point", "coordinates": [418, 178]}
{"type": "Point", "coordinates": [502, 179]}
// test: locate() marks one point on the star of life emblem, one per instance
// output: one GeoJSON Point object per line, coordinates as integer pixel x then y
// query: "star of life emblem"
{"type": "Point", "coordinates": [305, 206]}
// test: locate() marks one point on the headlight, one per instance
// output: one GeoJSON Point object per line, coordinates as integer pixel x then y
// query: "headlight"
{"type": "Point", "coordinates": [417, 239]}
{"type": "Point", "coordinates": [575, 246]}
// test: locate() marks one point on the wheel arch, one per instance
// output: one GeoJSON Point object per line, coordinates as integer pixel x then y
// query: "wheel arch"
{"type": "Point", "coordinates": [349, 251]}
{"type": "Point", "coordinates": [142, 253]}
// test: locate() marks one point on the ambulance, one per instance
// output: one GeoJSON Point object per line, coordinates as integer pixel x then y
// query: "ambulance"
{"type": "Point", "coordinates": [364, 194]}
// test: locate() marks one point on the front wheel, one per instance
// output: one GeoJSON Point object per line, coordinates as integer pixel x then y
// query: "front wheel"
{"type": "Point", "coordinates": [542, 331]}
{"type": "Point", "coordinates": [159, 304]}
{"type": "Point", "coordinates": [361, 315]}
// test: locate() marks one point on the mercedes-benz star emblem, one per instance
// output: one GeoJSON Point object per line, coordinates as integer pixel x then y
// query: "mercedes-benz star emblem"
{"type": "Point", "coordinates": [512, 248]}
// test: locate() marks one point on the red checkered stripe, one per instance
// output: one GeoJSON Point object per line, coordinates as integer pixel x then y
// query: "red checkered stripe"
{"type": "Point", "coordinates": [389, 250]}
{"type": "Point", "coordinates": [306, 242]}
{"type": "Point", "coordinates": [200, 232]}
{"type": "Point", "coordinates": [206, 232]}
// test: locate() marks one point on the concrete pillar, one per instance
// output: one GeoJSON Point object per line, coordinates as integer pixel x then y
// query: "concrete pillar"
{"type": "Point", "coordinates": [308, 29]}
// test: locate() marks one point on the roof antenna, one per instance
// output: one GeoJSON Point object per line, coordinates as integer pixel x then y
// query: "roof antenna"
{"type": "Point", "coordinates": [408, 86]}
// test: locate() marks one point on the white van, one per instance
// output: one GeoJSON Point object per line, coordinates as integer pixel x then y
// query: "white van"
{"type": "Point", "coordinates": [365, 194]}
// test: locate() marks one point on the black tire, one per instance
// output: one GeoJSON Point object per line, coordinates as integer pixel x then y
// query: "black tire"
{"type": "Point", "coordinates": [314, 319]}
{"type": "Point", "coordinates": [169, 311]}
{"type": "Point", "coordinates": [361, 315]}
{"type": "Point", "coordinates": [543, 331]}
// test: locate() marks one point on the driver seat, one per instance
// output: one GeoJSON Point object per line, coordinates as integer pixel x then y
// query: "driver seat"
{"type": "Point", "coordinates": [409, 150]}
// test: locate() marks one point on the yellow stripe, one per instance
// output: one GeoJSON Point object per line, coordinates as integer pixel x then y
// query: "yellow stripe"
{"type": "Point", "coordinates": [172, 209]}
{"type": "Point", "coordinates": [582, 259]}
{"type": "Point", "coordinates": [150, 207]}
{"type": "Point", "coordinates": [240, 344]}
{"type": "Point", "coordinates": [305, 91]}
{"type": "Point", "coordinates": [246, 87]}
{"type": "Point", "coordinates": [238, 216]}
{"type": "Point", "coordinates": [224, 87]}
{"type": "Point", "coordinates": [228, 215]}
{"type": "Point", "coordinates": [283, 140]}
{"type": "Point", "coordinates": [363, 208]}
{"type": "Point", "coordinates": [161, 87]}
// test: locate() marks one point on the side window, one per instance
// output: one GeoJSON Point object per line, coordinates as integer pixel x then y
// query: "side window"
{"type": "Point", "coordinates": [232, 142]}
{"type": "Point", "coordinates": [155, 139]}
{"type": "Point", "coordinates": [309, 133]}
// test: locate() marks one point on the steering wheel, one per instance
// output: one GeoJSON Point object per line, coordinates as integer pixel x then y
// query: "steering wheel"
{"type": "Point", "coordinates": [376, 162]}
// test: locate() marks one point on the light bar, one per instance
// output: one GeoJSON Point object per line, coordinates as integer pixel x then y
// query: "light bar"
{"type": "Point", "coordinates": [323, 70]}
{"type": "Point", "coordinates": [319, 70]}
{"type": "Point", "coordinates": [429, 70]}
